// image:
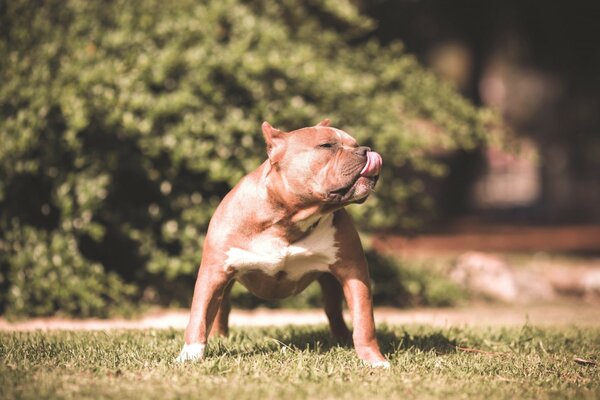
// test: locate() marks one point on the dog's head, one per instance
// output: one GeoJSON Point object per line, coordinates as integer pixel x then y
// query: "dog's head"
{"type": "Point", "coordinates": [322, 164]}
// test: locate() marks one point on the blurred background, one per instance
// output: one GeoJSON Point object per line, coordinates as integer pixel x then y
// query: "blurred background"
{"type": "Point", "coordinates": [123, 124]}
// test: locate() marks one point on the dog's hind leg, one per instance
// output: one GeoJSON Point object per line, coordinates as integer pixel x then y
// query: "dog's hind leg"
{"type": "Point", "coordinates": [221, 325]}
{"type": "Point", "coordinates": [333, 297]}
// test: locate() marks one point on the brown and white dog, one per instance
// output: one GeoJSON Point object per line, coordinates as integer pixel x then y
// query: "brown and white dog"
{"type": "Point", "coordinates": [284, 226]}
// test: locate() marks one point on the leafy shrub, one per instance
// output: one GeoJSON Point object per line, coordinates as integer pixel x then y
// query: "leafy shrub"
{"type": "Point", "coordinates": [403, 283]}
{"type": "Point", "coordinates": [48, 273]}
{"type": "Point", "coordinates": [123, 123]}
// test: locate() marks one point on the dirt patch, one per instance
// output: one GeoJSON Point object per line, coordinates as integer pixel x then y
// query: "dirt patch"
{"type": "Point", "coordinates": [500, 239]}
{"type": "Point", "coordinates": [578, 314]}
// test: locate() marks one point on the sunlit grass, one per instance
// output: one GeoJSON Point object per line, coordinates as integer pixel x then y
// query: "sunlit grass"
{"type": "Point", "coordinates": [291, 363]}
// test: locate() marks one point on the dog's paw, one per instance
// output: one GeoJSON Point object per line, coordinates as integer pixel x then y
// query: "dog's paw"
{"type": "Point", "coordinates": [378, 364]}
{"type": "Point", "coordinates": [191, 352]}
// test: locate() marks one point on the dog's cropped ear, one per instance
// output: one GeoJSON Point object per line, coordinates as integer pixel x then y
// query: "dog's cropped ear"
{"type": "Point", "coordinates": [275, 142]}
{"type": "Point", "coordinates": [325, 122]}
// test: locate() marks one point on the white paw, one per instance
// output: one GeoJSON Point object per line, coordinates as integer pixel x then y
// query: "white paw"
{"type": "Point", "coordinates": [191, 352]}
{"type": "Point", "coordinates": [378, 364]}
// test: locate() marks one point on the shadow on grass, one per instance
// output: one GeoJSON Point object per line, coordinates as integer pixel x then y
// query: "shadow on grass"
{"type": "Point", "coordinates": [390, 342]}
{"type": "Point", "coordinates": [321, 341]}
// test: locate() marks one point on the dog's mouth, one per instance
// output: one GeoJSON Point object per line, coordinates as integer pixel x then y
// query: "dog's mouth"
{"type": "Point", "coordinates": [356, 191]}
{"type": "Point", "coordinates": [359, 188]}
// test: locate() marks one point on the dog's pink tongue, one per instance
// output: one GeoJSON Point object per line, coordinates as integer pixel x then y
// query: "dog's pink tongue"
{"type": "Point", "coordinates": [373, 165]}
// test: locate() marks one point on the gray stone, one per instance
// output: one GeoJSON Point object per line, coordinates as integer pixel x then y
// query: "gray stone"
{"type": "Point", "coordinates": [486, 275]}
{"type": "Point", "coordinates": [591, 284]}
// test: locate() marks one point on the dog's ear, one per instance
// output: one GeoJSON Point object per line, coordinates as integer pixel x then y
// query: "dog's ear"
{"type": "Point", "coordinates": [325, 122]}
{"type": "Point", "coordinates": [275, 142]}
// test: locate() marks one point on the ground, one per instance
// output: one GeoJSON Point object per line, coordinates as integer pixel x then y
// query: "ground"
{"type": "Point", "coordinates": [480, 350]}
{"type": "Point", "coordinates": [473, 236]}
{"type": "Point", "coordinates": [563, 314]}
{"type": "Point", "coordinates": [301, 362]}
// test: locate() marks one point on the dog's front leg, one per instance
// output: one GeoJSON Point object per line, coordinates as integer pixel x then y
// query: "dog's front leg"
{"type": "Point", "coordinates": [208, 294]}
{"type": "Point", "coordinates": [358, 296]}
{"type": "Point", "coordinates": [352, 271]}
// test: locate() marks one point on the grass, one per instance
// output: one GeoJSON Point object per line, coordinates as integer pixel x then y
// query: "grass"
{"type": "Point", "coordinates": [302, 362]}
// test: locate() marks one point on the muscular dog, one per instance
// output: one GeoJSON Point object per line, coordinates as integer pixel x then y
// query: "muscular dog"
{"type": "Point", "coordinates": [282, 227]}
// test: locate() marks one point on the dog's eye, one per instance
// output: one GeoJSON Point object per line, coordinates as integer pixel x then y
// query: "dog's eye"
{"type": "Point", "coordinates": [327, 145]}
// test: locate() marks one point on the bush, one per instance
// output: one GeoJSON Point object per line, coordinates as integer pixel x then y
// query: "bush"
{"type": "Point", "coordinates": [48, 273]}
{"type": "Point", "coordinates": [123, 123]}
{"type": "Point", "coordinates": [408, 283]}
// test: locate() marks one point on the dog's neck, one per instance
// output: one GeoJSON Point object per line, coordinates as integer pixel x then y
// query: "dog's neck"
{"type": "Point", "coordinates": [291, 217]}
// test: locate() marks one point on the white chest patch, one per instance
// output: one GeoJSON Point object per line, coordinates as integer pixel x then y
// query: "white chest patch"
{"type": "Point", "coordinates": [315, 252]}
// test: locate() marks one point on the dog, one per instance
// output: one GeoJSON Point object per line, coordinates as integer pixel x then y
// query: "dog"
{"type": "Point", "coordinates": [284, 226]}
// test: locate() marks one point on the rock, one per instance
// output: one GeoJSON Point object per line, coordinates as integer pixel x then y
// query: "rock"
{"type": "Point", "coordinates": [486, 275]}
{"type": "Point", "coordinates": [566, 280]}
{"type": "Point", "coordinates": [533, 286]}
{"type": "Point", "coordinates": [590, 283]}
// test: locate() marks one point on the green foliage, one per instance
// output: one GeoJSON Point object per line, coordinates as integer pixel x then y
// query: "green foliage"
{"type": "Point", "coordinates": [123, 123]}
{"type": "Point", "coordinates": [403, 283]}
{"type": "Point", "coordinates": [303, 362]}
{"type": "Point", "coordinates": [48, 273]}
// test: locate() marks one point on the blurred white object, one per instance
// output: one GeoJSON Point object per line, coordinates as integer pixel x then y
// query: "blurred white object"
{"type": "Point", "coordinates": [485, 275]}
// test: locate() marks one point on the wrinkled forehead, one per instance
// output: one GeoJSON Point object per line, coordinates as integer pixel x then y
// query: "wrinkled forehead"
{"type": "Point", "coordinates": [322, 134]}
{"type": "Point", "coordinates": [343, 136]}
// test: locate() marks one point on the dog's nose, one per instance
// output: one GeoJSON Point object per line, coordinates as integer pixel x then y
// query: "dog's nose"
{"type": "Point", "coordinates": [363, 150]}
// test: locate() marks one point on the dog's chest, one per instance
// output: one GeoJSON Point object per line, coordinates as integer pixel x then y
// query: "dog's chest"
{"type": "Point", "coordinates": [315, 252]}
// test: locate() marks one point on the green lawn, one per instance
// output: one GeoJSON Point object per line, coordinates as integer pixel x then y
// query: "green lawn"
{"type": "Point", "coordinates": [291, 363]}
